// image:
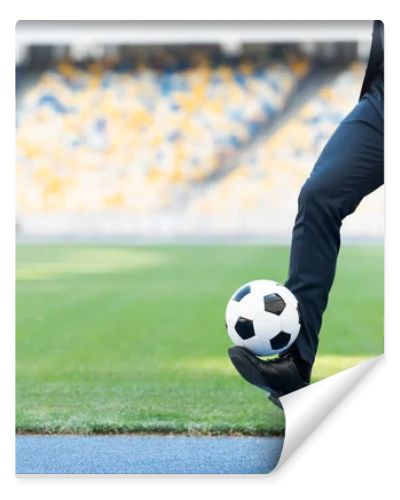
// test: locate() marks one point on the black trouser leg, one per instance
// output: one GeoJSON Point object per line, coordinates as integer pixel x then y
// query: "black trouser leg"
{"type": "Point", "coordinates": [349, 168]}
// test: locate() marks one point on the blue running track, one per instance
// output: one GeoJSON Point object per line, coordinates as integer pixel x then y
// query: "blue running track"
{"type": "Point", "coordinates": [146, 454]}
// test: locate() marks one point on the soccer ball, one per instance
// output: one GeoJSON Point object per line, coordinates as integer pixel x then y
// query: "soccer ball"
{"type": "Point", "coordinates": [263, 316]}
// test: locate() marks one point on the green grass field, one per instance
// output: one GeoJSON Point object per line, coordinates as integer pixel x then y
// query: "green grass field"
{"type": "Point", "coordinates": [132, 339]}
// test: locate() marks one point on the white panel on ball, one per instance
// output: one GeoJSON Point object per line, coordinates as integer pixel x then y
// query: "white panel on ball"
{"type": "Point", "coordinates": [257, 345]}
{"type": "Point", "coordinates": [251, 305]}
{"type": "Point", "coordinates": [290, 321]}
{"type": "Point", "coordinates": [267, 325]}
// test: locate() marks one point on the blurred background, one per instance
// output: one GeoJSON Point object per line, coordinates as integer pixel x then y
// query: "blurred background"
{"type": "Point", "coordinates": [158, 169]}
{"type": "Point", "coordinates": [180, 130]}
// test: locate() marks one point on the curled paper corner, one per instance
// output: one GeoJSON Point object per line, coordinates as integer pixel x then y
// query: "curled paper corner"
{"type": "Point", "coordinates": [307, 408]}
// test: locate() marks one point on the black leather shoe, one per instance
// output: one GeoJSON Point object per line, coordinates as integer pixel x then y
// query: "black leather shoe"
{"type": "Point", "coordinates": [278, 376]}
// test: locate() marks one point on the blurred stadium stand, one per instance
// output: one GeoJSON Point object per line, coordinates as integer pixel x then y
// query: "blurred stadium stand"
{"type": "Point", "coordinates": [193, 140]}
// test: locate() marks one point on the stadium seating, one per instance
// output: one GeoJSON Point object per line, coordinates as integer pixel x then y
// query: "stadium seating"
{"type": "Point", "coordinates": [107, 136]}
{"type": "Point", "coordinates": [184, 143]}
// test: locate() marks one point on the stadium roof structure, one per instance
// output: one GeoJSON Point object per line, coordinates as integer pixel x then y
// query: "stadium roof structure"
{"type": "Point", "coordinates": [189, 32]}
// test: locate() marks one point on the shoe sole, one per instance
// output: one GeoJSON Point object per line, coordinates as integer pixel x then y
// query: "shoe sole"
{"type": "Point", "coordinates": [244, 365]}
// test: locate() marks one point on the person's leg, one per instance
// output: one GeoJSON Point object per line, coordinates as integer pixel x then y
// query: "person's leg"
{"type": "Point", "coordinates": [349, 168]}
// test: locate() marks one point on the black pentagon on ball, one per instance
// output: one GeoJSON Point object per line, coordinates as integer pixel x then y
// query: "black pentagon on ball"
{"type": "Point", "coordinates": [244, 328]}
{"type": "Point", "coordinates": [242, 292]}
{"type": "Point", "coordinates": [273, 303]}
{"type": "Point", "coordinates": [280, 341]}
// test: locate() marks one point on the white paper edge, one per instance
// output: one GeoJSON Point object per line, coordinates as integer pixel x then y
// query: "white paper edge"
{"type": "Point", "coordinates": [307, 408]}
